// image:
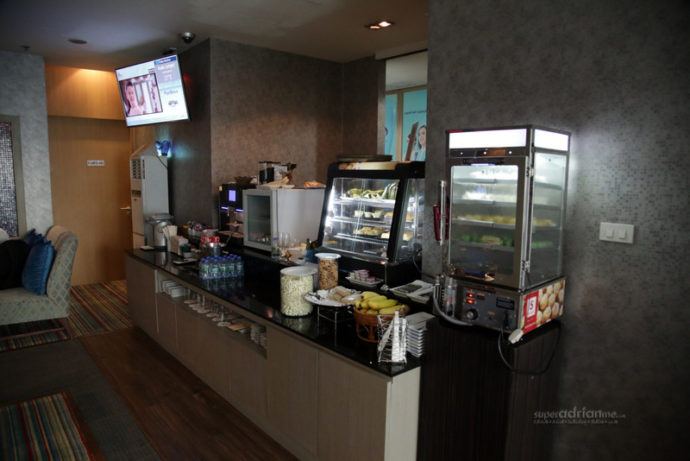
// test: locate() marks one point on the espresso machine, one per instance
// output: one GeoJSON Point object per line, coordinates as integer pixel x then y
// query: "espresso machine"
{"type": "Point", "coordinates": [230, 213]}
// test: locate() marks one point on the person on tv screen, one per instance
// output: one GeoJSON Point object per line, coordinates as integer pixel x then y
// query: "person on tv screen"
{"type": "Point", "coordinates": [133, 107]}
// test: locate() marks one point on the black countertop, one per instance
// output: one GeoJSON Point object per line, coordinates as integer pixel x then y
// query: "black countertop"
{"type": "Point", "coordinates": [259, 293]}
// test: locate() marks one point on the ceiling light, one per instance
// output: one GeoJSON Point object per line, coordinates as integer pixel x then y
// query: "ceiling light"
{"type": "Point", "coordinates": [379, 25]}
{"type": "Point", "coordinates": [77, 41]}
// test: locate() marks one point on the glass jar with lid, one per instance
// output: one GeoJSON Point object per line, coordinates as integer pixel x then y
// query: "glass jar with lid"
{"type": "Point", "coordinates": [295, 282]}
{"type": "Point", "coordinates": [328, 270]}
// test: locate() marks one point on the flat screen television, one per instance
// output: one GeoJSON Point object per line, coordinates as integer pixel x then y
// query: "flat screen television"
{"type": "Point", "coordinates": [152, 92]}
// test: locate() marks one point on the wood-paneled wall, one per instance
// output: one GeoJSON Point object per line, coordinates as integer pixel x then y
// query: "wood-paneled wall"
{"type": "Point", "coordinates": [86, 122]}
{"type": "Point", "coordinates": [86, 93]}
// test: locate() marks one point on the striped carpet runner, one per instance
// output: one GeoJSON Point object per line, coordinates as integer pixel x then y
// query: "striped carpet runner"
{"type": "Point", "coordinates": [45, 428]}
{"type": "Point", "coordinates": [94, 308]}
{"type": "Point", "coordinates": [99, 308]}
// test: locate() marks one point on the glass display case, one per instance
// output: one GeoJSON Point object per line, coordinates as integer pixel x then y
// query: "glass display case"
{"type": "Point", "coordinates": [507, 191]}
{"type": "Point", "coordinates": [374, 211]}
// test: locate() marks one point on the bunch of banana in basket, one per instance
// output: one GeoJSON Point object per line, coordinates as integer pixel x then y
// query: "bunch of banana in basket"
{"type": "Point", "coordinates": [374, 304]}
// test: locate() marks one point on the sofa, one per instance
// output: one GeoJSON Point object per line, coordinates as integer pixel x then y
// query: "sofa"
{"type": "Point", "coordinates": [19, 305]}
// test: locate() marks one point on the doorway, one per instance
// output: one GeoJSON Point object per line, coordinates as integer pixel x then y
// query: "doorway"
{"type": "Point", "coordinates": [89, 173]}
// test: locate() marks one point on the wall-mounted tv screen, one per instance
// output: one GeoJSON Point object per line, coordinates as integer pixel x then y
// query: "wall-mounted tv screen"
{"type": "Point", "coordinates": [152, 92]}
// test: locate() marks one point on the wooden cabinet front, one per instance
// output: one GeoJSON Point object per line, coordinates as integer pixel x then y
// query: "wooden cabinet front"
{"type": "Point", "coordinates": [293, 388]}
{"type": "Point", "coordinates": [141, 296]}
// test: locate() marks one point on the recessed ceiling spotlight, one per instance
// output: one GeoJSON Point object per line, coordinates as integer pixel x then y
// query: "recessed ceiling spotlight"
{"type": "Point", "coordinates": [379, 25]}
{"type": "Point", "coordinates": [77, 41]}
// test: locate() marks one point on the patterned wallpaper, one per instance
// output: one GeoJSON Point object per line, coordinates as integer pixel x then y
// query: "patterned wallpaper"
{"type": "Point", "coordinates": [363, 106]}
{"type": "Point", "coordinates": [23, 94]}
{"type": "Point", "coordinates": [271, 105]}
{"type": "Point", "coordinates": [189, 174]}
{"type": "Point", "coordinates": [249, 104]}
{"type": "Point", "coordinates": [615, 74]}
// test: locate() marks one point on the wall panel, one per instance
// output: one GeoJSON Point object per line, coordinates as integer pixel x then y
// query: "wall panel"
{"type": "Point", "coordinates": [615, 74]}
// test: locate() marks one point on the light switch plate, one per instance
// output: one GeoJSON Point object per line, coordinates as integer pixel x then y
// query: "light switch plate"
{"type": "Point", "coordinates": [616, 232]}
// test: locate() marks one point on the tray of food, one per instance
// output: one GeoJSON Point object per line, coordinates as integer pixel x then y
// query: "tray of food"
{"type": "Point", "coordinates": [335, 297]}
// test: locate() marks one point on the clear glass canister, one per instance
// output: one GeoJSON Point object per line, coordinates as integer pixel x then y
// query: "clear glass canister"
{"type": "Point", "coordinates": [328, 270]}
{"type": "Point", "coordinates": [295, 282]}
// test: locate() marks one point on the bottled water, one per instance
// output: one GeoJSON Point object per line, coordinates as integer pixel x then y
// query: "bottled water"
{"type": "Point", "coordinates": [239, 267]}
{"type": "Point", "coordinates": [203, 269]}
{"type": "Point", "coordinates": [215, 269]}
{"type": "Point", "coordinates": [231, 267]}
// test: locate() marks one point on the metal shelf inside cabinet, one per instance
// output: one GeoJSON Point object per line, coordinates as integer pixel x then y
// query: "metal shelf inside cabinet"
{"type": "Point", "coordinates": [548, 185]}
{"type": "Point", "coordinates": [487, 246]}
{"type": "Point", "coordinates": [478, 223]}
{"type": "Point", "coordinates": [466, 181]}
{"type": "Point", "coordinates": [359, 238]}
{"type": "Point", "coordinates": [359, 201]}
{"type": "Point", "coordinates": [495, 225]}
{"type": "Point", "coordinates": [496, 203]}
{"type": "Point", "coordinates": [360, 222]}
{"type": "Point", "coordinates": [498, 181]}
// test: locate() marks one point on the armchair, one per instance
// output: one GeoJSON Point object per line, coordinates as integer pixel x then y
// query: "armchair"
{"type": "Point", "coordinates": [18, 305]}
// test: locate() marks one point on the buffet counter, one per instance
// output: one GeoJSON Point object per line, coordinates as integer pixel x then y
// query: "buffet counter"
{"type": "Point", "coordinates": [308, 382]}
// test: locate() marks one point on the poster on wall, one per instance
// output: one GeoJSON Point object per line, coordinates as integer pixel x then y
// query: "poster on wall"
{"type": "Point", "coordinates": [414, 125]}
{"type": "Point", "coordinates": [391, 125]}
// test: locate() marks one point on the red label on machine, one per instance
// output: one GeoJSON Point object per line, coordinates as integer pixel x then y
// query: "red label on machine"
{"type": "Point", "coordinates": [543, 305]}
{"type": "Point", "coordinates": [531, 309]}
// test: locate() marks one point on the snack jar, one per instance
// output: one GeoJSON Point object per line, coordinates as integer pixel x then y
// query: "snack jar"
{"type": "Point", "coordinates": [295, 282]}
{"type": "Point", "coordinates": [328, 270]}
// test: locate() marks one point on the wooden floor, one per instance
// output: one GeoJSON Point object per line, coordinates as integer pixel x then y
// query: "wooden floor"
{"type": "Point", "coordinates": [182, 416]}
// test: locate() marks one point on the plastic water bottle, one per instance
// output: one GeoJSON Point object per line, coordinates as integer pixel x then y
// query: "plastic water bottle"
{"type": "Point", "coordinates": [203, 269]}
{"type": "Point", "coordinates": [223, 267]}
{"type": "Point", "coordinates": [215, 269]}
{"type": "Point", "coordinates": [232, 267]}
{"type": "Point", "coordinates": [239, 267]}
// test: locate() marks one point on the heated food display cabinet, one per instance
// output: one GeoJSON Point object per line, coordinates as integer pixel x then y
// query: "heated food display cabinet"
{"type": "Point", "coordinates": [506, 190]}
{"type": "Point", "coordinates": [372, 216]}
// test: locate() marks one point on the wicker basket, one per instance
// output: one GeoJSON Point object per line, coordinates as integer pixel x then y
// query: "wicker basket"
{"type": "Point", "coordinates": [366, 325]}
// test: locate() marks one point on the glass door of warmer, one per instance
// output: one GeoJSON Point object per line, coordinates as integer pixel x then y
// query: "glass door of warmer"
{"type": "Point", "coordinates": [548, 205]}
{"type": "Point", "coordinates": [485, 217]}
{"type": "Point", "coordinates": [360, 216]}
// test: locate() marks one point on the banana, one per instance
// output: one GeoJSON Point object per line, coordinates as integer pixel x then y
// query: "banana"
{"type": "Point", "coordinates": [391, 310]}
{"type": "Point", "coordinates": [377, 298]}
{"type": "Point", "coordinates": [372, 312]}
{"type": "Point", "coordinates": [369, 294]}
{"type": "Point", "coordinates": [383, 303]}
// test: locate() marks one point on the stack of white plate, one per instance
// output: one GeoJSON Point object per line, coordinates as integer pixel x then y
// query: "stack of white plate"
{"type": "Point", "coordinates": [416, 332]}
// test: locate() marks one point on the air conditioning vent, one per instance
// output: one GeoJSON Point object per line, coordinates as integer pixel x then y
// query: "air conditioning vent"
{"type": "Point", "coordinates": [136, 168]}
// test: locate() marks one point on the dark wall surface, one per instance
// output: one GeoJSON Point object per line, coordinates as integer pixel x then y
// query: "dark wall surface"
{"type": "Point", "coordinates": [364, 82]}
{"type": "Point", "coordinates": [615, 74]}
{"type": "Point", "coordinates": [271, 105]}
{"type": "Point", "coordinates": [189, 169]}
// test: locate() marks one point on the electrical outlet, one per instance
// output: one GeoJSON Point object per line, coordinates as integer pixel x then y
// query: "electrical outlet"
{"type": "Point", "coordinates": [616, 232]}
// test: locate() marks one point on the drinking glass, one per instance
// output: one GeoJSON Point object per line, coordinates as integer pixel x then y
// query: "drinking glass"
{"type": "Point", "coordinates": [284, 241]}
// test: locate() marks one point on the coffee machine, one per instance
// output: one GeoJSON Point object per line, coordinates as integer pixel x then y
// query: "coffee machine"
{"type": "Point", "coordinates": [230, 213]}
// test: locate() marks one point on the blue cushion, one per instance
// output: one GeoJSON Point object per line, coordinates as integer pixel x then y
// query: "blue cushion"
{"type": "Point", "coordinates": [37, 267]}
{"type": "Point", "coordinates": [32, 238]}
